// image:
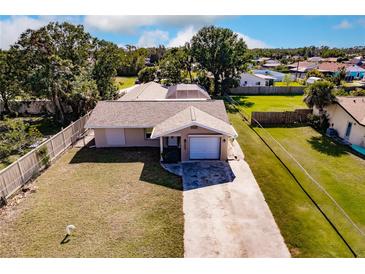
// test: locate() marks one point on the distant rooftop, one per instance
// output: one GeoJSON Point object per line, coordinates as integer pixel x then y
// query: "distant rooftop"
{"type": "Point", "coordinates": [156, 91]}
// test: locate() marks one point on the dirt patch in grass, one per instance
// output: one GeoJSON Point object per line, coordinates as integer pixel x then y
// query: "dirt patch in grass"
{"type": "Point", "coordinates": [121, 201]}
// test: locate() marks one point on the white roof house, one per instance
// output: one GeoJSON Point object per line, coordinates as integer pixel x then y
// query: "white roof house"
{"type": "Point", "coordinates": [255, 80]}
{"type": "Point", "coordinates": [278, 76]}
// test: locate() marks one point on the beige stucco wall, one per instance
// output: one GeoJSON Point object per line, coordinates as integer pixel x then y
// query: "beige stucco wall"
{"type": "Point", "coordinates": [340, 118]}
{"type": "Point", "coordinates": [134, 137]}
{"type": "Point", "coordinates": [199, 131]}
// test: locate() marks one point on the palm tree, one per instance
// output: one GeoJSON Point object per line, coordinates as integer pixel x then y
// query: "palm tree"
{"type": "Point", "coordinates": [319, 94]}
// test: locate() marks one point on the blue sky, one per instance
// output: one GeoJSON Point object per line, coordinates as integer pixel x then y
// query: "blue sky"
{"type": "Point", "coordinates": [257, 31]}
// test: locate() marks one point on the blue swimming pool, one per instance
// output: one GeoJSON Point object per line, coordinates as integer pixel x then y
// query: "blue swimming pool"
{"type": "Point", "coordinates": [359, 149]}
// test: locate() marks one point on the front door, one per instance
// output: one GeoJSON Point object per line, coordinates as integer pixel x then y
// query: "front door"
{"type": "Point", "coordinates": [348, 131]}
{"type": "Point", "coordinates": [172, 141]}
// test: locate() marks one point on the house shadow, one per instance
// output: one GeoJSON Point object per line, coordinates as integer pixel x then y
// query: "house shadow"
{"type": "Point", "coordinates": [152, 172]}
{"type": "Point", "coordinates": [206, 173]}
{"type": "Point", "coordinates": [326, 146]}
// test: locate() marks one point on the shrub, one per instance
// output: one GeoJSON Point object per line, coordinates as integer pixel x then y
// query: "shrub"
{"type": "Point", "coordinates": [358, 92]}
{"type": "Point", "coordinates": [43, 155]}
{"type": "Point", "coordinates": [147, 74]}
{"type": "Point", "coordinates": [318, 122]}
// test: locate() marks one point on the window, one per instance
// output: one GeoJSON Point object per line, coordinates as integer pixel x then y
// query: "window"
{"type": "Point", "coordinates": [147, 133]}
{"type": "Point", "coordinates": [258, 83]}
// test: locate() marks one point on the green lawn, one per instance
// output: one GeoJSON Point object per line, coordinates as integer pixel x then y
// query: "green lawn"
{"type": "Point", "coordinates": [284, 84]}
{"type": "Point", "coordinates": [269, 102]}
{"type": "Point", "coordinates": [335, 168]}
{"type": "Point", "coordinates": [121, 201]}
{"type": "Point", "coordinates": [305, 230]}
{"type": "Point", "coordinates": [125, 82]}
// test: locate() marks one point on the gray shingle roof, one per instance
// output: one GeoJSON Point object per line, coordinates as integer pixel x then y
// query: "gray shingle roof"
{"type": "Point", "coordinates": [147, 114]}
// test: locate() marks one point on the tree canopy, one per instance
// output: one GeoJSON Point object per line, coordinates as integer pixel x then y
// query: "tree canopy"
{"type": "Point", "coordinates": [67, 65]}
{"type": "Point", "coordinates": [219, 51]}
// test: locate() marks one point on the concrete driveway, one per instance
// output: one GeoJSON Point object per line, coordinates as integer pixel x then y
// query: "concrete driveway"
{"type": "Point", "coordinates": [226, 214]}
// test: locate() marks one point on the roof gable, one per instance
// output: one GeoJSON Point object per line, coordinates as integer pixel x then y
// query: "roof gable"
{"type": "Point", "coordinates": [192, 116]}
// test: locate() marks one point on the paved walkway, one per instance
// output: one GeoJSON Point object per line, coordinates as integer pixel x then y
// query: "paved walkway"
{"type": "Point", "coordinates": [228, 219]}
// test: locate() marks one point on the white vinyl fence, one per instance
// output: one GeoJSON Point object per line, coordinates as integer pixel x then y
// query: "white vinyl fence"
{"type": "Point", "coordinates": [27, 167]}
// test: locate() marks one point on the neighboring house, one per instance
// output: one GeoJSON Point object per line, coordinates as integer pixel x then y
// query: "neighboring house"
{"type": "Point", "coordinates": [301, 68]}
{"type": "Point", "coordinates": [184, 122]}
{"type": "Point", "coordinates": [357, 60]}
{"type": "Point", "coordinates": [155, 91]}
{"type": "Point", "coordinates": [315, 59]}
{"type": "Point", "coordinates": [347, 116]}
{"type": "Point", "coordinates": [278, 76]}
{"type": "Point", "coordinates": [313, 79]}
{"type": "Point", "coordinates": [355, 72]}
{"type": "Point", "coordinates": [256, 80]}
{"type": "Point", "coordinates": [271, 64]}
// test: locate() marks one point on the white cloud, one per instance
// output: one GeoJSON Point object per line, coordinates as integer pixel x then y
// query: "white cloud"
{"type": "Point", "coordinates": [11, 28]}
{"type": "Point", "coordinates": [130, 23]}
{"type": "Point", "coordinates": [251, 42]}
{"type": "Point", "coordinates": [343, 25]}
{"type": "Point", "coordinates": [182, 37]}
{"type": "Point", "coordinates": [153, 38]}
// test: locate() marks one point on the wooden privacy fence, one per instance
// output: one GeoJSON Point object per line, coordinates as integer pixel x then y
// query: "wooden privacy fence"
{"type": "Point", "coordinates": [267, 90]}
{"type": "Point", "coordinates": [280, 118]}
{"type": "Point", "coordinates": [27, 167]}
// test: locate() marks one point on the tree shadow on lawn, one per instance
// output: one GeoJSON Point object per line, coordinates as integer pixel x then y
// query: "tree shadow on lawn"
{"type": "Point", "coordinates": [327, 146]}
{"type": "Point", "coordinates": [152, 171]}
{"type": "Point", "coordinates": [243, 101]}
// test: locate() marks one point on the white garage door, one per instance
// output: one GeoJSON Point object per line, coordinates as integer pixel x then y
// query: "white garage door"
{"type": "Point", "coordinates": [115, 137]}
{"type": "Point", "coordinates": [204, 148]}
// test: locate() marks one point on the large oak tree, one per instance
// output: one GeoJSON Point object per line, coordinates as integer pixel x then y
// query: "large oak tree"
{"type": "Point", "coordinates": [221, 52]}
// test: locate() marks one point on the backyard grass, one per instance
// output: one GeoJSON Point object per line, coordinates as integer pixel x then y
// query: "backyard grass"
{"type": "Point", "coordinates": [121, 201]}
{"type": "Point", "coordinates": [305, 230]}
{"type": "Point", "coordinates": [269, 103]}
{"type": "Point", "coordinates": [284, 84]}
{"type": "Point", "coordinates": [125, 82]}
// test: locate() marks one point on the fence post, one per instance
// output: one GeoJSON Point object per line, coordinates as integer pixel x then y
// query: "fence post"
{"type": "Point", "coordinates": [53, 152]}
{"type": "Point", "coordinates": [63, 138]}
{"type": "Point", "coordinates": [21, 172]}
{"type": "Point", "coordinates": [5, 189]}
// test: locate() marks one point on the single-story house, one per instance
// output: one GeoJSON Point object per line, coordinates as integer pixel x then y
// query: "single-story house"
{"type": "Point", "coordinates": [278, 76]}
{"type": "Point", "coordinates": [256, 80]}
{"type": "Point", "coordinates": [156, 91]}
{"type": "Point", "coordinates": [194, 128]}
{"type": "Point", "coordinates": [347, 116]}
{"type": "Point", "coordinates": [355, 72]}
{"type": "Point", "coordinates": [315, 59]}
{"type": "Point", "coordinates": [271, 64]}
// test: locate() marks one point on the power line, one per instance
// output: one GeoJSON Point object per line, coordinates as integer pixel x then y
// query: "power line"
{"type": "Point", "coordinates": [342, 211]}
